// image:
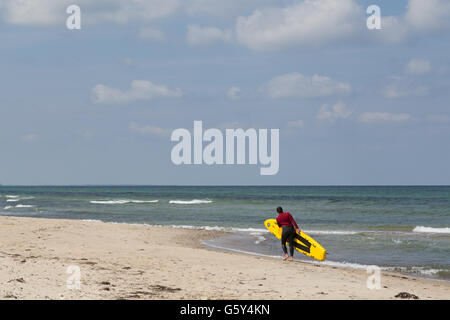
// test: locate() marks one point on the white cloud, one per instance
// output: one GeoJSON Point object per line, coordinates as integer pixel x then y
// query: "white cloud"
{"type": "Point", "coordinates": [418, 67]}
{"type": "Point", "coordinates": [335, 112]}
{"type": "Point", "coordinates": [421, 19]}
{"type": "Point", "coordinates": [151, 34]}
{"type": "Point", "coordinates": [149, 130]}
{"type": "Point", "coordinates": [296, 124]}
{"type": "Point", "coordinates": [312, 22]}
{"type": "Point", "coordinates": [321, 22]}
{"type": "Point", "coordinates": [52, 12]}
{"type": "Point", "coordinates": [380, 117]}
{"type": "Point", "coordinates": [234, 93]}
{"type": "Point", "coordinates": [202, 36]}
{"type": "Point", "coordinates": [400, 87]}
{"type": "Point", "coordinates": [298, 85]}
{"type": "Point", "coordinates": [140, 90]}
{"type": "Point", "coordinates": [428, 15]}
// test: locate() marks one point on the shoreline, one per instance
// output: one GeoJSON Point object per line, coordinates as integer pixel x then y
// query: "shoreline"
{"type": "Point", "coordinates": [132, 261]}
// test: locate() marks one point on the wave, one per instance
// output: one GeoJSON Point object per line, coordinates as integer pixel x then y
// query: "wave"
{"type": "Point", "coordinates": [122, 201]}
{"type": "Point", "coordinates": [427, 271]}
{"type": "Point", "coordinates": [431, 230]}
{"type": "Point", "coordinates": [17, 198]}
{"type": "Point", "coordinates": [261, 230]}
{"type": "Point", "coordinates": [11, 197]}
{"type": "Point", "coordinates": [217, 228]}
{"type": "Point", "coordinates": [7, 207]}
{"type": "Point", "coordinates": [25, 206]}
{"type": "Point", "coordinates": [331, 232]}
{"type": "Point", "coordinates": [195, 201]}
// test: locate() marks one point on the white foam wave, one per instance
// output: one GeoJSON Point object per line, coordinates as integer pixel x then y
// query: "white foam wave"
{"type": "Point", "coordinates": [260, 230]}
{"type": "Point", "coordinates": [25, 206]}
{"type": "Point", "coordinates": [7, 207]}
{"type": "Point", "coordinates": [17, 198]}
{"type": "Point", "coordinates": [418, 270]}
{"type": "Point", "coordinates": [122, 201]}
{"type": "Point", "coordinates": [217, 228]}
{"type": "Point", "coordinates": [195, 201]}
{"type": "Point", "coordinates": [431, 230]}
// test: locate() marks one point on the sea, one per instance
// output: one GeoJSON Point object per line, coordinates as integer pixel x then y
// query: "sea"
{"type": "Point", "coordinates": [403, 229]}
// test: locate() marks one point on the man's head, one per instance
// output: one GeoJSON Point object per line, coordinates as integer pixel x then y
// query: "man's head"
{"type": "Point", "coordinates": [280, 210]}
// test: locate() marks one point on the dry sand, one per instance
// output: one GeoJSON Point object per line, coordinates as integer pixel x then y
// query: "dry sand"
{"type": "Point", "coordinates": [120, 261]}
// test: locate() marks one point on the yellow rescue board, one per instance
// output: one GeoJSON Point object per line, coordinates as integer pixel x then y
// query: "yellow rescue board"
{"type": "Point", "coordinates": [302, 242]}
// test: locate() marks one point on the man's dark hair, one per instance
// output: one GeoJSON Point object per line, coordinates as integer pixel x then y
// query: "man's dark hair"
{"type": "Point", "coordinates": [279, 210]}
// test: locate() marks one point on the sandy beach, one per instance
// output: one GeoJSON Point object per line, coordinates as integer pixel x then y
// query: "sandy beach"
{"type": "Point", "coordinates": [40, 257]}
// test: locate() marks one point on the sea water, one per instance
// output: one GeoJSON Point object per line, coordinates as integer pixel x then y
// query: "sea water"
{"type": "Point", "coordinates": [399, 228]}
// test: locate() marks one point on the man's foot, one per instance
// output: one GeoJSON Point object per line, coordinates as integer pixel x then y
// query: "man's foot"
{"type": "Point", "coordinates": [291, 259]}
{"type": "Point", "coordinates": [285, 257]}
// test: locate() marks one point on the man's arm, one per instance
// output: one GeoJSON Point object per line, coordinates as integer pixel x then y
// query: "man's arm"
{"type": "Point", "coordinates": [279, 225]}
{"type": "Point", "coordinates": [293, 222]}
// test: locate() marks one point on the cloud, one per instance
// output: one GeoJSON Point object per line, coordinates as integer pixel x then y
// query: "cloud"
{"type": "Point", "coordinates": [400, 87]}
{"type": "Point", "coordinates": [383, 117]}
{"type": "Point", "coordinates": [140, 90]}
{"type": "Point", "coordinates": [429, 15]}
{"type": "Point", "coordinates": [234, 93]}
{"type": "Point", "coordinates": [312, 22]}
{"type": "Point", "coordinates": [296, 124]}
{"type": "Point", "coordinates": [322, 22]}
{"type": "Point", "coordinates": [202, 36]}
{"type": "Point", "coordinates": [421, 19]}
{"type": "Point", "coordinates": [335, 112]}
{"type": "Point", "coordinates": [418, 67]}
{"type": "Point", "coordinates": [151, 34]}
{"type": "Point", "coordinates": [298, 85]}
{"type": "Point", "coordinates": [149, 130]}
{"type": "Point", "coordinates": [53, 12]}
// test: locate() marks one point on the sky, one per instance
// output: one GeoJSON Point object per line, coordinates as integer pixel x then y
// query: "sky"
{"type": "Point", "coordinates": [97, 105]}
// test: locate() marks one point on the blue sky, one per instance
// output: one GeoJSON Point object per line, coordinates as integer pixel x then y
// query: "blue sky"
{"type": "Point", "coordinates": [354, 106]}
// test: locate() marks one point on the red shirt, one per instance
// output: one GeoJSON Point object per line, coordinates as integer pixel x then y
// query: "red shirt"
{"type": "Point", "coordinates": [285, 219]}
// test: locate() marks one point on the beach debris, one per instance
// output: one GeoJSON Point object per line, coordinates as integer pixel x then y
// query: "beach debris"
{"type": "Point", "coordinates": [9, 296]}
{"type": "Point", "coordinates": [105, 283]}
{"type": "Point", "coordinates": [161, 288]}
{"type": "Point", "coordinates": [21, 280]}
{"type": "Point", "coordinates": [406, 295]}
